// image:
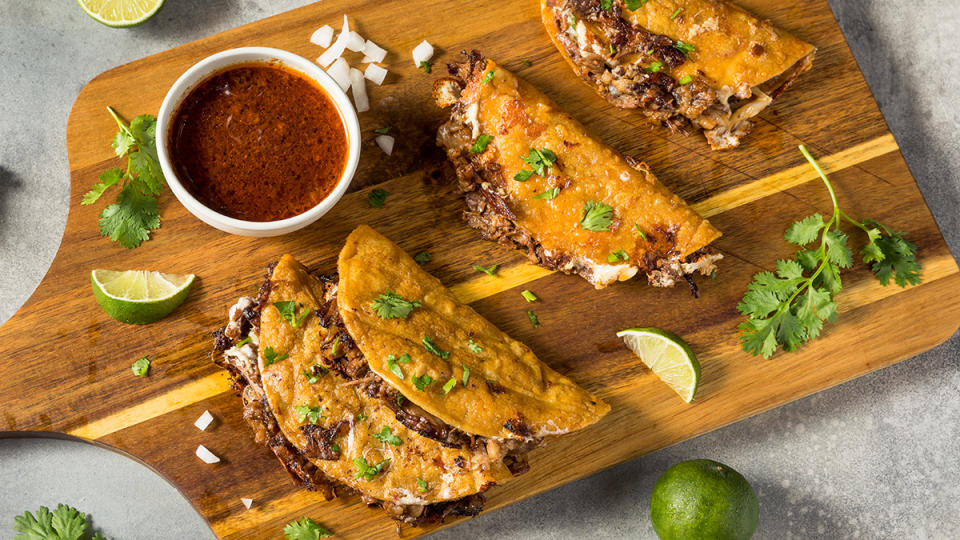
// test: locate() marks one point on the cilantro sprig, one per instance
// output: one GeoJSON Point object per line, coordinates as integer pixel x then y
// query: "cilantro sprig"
{"type": "Point", "coordinates": [288, 310]}
{"type": "Point", "coordinates": [64, 523]}
{"type": "Point", "coordinates": [390, 305]}
{"type": "Point", "coordinates": [386, 435]}
{"type": "Point", "coordinates": [305, 529]}
{"type": "Point", "coordinates": [129, 220]}
{"type": "Point", "coordinates": [369, 472]}
{"type": "Point", "coordinates": [789, 307]}
{"type": "Point", "coordinates": [596, 216]}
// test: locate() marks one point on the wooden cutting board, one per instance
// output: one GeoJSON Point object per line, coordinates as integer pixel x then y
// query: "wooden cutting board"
{"type": "Point", "coordinates": [65, 364]}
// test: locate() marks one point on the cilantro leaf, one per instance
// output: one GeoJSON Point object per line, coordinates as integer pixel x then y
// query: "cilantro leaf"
{"type": "Point", "coordinates": [288, 310]}
{"type": "Point", "coordinates": [606, 5]}
{"type": "Point", "coordinates": [533, 319]}
{"type": "Point", "coordinates": [426, 66]}
{"type": "Point", "coordinates": [394, 367]}
{"type": "Point", "coordinates": [448, 386]}
{"type": "Point", "coordinates": [466, 374]}
{"type": "Point", "coordinates": [141, 367]}
{"type": "Point", "coordinates": [481, 143]}
{"type": "Point", "coordinates": [488, 76]}
{"type": "Point", "coordinates": [547, 195]}
{"type": "Point", "coordinates": [422, 382]}
{"type": "Point", "coordinates": [432, 348]}
{"type": "Point", "coordinates": [369, 472]}
{"type": "Point", "coordinates": [421, 485]}
{"type": "Point", "coordinates": [837, 251]}
{"type": "Point", "coordinates": [315, 373]}
{"type": "Point", "coordinates": [596, 216]}
{"type": "Point", "coordinates": [474, 348]}
{"type": "Point", "coordinates": [271, 357]}
{"type": "Point", "coordinates": [805, 231]}
{"type": "Point", "coordinates": [541, 161]}
{"type": "Point", "coordinates": [387, 436]}
{"type": "Point", "coordinates": [523, 175]}
{"type": "Point", "coordinates": [684, 47]}
{"type": "Point", "coordinates": [64, 523]}
{"type": "Point", "coordinates": [634, 5]}
{"type": "Point", "coordinates": [422, 257]}
{"type": "Point", "coordinates": [306, 412]}
{"type": "Point", "coordinates": [390, 305]}
{"type": "Point", "coordinates": [130, 219]}
{"type": "Point", "coordinates": [893, 256]}
{"type": "Point", "coordinates": [108, 178]}
{"type": "Point", "coordinates": [491, 271]}
{"type": "Point", "coordinates": [305, 529]}
{"type": "Point", "coordinates": [377, 198]}
{"type": "Point", "coordinates": [149, 177]}
{"type": "Point", "coordinates": [122, 142]}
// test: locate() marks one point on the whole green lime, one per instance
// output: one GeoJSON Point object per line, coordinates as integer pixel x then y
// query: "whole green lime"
{"type": "Point", "coordinates": [703, 499]}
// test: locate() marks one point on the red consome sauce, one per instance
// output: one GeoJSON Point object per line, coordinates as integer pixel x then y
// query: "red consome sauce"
{"type": "Point", "coordinates": [258, 142]}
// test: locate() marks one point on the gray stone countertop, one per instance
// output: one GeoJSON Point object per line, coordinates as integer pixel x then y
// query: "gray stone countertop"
{"type": "Point", "coordinates": [873, 458]}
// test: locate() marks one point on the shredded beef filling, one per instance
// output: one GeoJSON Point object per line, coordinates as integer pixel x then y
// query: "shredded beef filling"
{"type": "Point", "coordinates": [341, 356]}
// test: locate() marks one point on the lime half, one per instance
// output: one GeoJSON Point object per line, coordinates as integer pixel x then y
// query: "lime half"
{"type": "Point", "coordinates": [666, 355]}
{"type": "Point", "coordinates": [139, 296]}
{"type": "Point", "coordinates": [120, 13]}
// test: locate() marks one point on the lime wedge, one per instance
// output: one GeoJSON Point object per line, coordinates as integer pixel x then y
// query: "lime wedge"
{"type": "Point", "coordinates": [139, 296]}
{"type": "Point", "coordinates": [666, 355]}
{"type": "Point", "coordinates": [120, 13]}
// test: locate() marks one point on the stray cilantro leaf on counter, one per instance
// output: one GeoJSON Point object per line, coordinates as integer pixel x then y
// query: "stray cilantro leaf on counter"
{"type": "Point", "coordinates": [474, 348]}
{"type": "Point", "coordinates": [466, 374]}
{"type": "Point", "coordinates": [134, 214]}
{"type": "Point", "coordinates": [368, 472]}
{"type": "Point", "coordinates": [377, 197]}
{"type": "Point", "coordinates": [488, 76]}
{"type": "Point", "coordinates": [426, 66]}
{"type": "Point", "coordinates": [617, 256]}
{"type": "Point", "coordinates": [431, 347]}
{"type": "Point", "coordinates": [383, 130]}
{"type": "Point", "coordinates": [64, 523]}
{"type": "Point", "coordinates": [141, 367]}
{"type": "Point", "coordinates": [547, 195]}
{"type": "Point", "coordinates": [491, 271]}
{"type": "Point", "coordinates": [288, 310]}
{"type": "Point", "coordinates": [526, 62]}
{"type": "Point", "coordinates": [448, 386]}
{"type": "Point", "coordinates": [421, 485]}
{"type": "Point", "coordinates": [306, 412]}
{"type": "Point", "coordinates": [528, 296]}
{"type": "Point", "coordinates": [271, 357]}
{"type": "Point", "coordinates": [481, 143]}
{"type": "Point", "coordinates": [390, 305]}
{"type": "Point", "coordinates": [533, 319]}
{"type": "Point", "coordinates": [597, 216]}
{"type": "Point", "coordinates": [305, 529]}
{"type": "Point", "coordinates": [422, 382]}
{"type": "Point", "coordinates": [422, 258]}
{"type": "Point", "coordinates": [789, 307]}
{"type": "Point", "coordinates": [387, 436]}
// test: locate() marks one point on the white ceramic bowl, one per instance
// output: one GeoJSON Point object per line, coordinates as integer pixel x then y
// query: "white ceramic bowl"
{"type": "Point", "coordinates": [208, 66]}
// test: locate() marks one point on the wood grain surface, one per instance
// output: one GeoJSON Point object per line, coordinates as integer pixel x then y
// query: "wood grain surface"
{"type": "Point", "coordinates": [65, 364]}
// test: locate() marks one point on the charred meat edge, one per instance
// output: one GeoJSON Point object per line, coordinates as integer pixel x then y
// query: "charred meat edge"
{"type": "Point", "coordinates": [349, 363]}
{"type": "Point", "coordinates": [488, 212]}
{"type": "Point", "coordinates": [722, 114]}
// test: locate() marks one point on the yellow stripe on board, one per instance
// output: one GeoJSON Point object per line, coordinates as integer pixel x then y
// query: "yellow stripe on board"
{"type": "Point", "coordinates": [509, 277]}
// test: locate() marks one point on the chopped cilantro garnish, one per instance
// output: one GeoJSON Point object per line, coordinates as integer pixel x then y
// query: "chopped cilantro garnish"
{"type": "Point", "coordinates": [335, 447]}
{"type": "Point", "coordinates": [377, 198]}
{"type": "Point", "coordinates": [305, 529]}
{"type": "Point", "coordinates": [533, 319]}
{"type": "Point", "coordinates": [675, 13]}
{"type": "Point", "coordinates": [394, 367]}
{"type": "Point", "coordinates": [422, 258]}
{"type": "Point", "coordinates": [390, 305]}
{"type": "Point", "coordinates": [526, 62]}
{"type": "Point", "coordinates": [540, 160]}
{"type": "Point", "coordinates": [271, 357]}
{"type": "Point", "coordinates": [431, 347]}
{"type": "Point", "coordinates": [474, 348]}
{"type": "Point", "coordinates": [387, 436]}
{"type": "Point", "coordinates": [426, 66]}
{"type": "Point", "coordinates": [607, 5]}
{"type": "Point", "coordinates": [422, 382]}
{"type": "Point", "coordinates": [336, 345]}
{"type": "Point", "coordinates": [573, 21]}
{"type": "Point", "coordinates": [686, 80]}
{"type": "Point", "coordinates": [448, 386]}
{"type": "Point", "coordinates": [492, 271]}
{"type": "Point", "coordinates": [311, 374]}
{"type": "Point", "coordinates": [523, 175]}
{"type": "Point", "coordinates": [288, 310]}
{"type": "Point", "coordinates": [528, 296]}
{"type": "Point", "coordinates": [488, 76]}
{"type": "Point", "coordinates": [636, 227]}
{"type": "Point", "coordinates": [141, 367]}
{"type": "Point", "coordinates": [361, 417]}
{"type": "Point", "coordinates": [613, 51]}
{"type": "Point", "coordinates": [634, 5]}
{"type": "Point", "coordinates": [400, 399]}
{"type": "Point", "coordinates": [306, 412]}
{"type": "Point", "coordinates": [617, 256]}
{"type": "Point", "coordinates": [421, 485]}
{"type": "Point", "coordinates": [242, 342]}
{"type": "Point", "coordinates": [597, 216]}
{"type": "Point", "coordinates": [654, 67]}
{"type": "Point", "coordinates": [383, 130]}
{"type": "Point", "coordinates": [548, 195]}
{"type": "Point", "coordinates": [481, 143]}
{"type": "Point", "coordinates": [368, 472]}
{"type": "Point", "coordinates": [466, 374]}
{"type": "Point", "coordinates": [684, 47]}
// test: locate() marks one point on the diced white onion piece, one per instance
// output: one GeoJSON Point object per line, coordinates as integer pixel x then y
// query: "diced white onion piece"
{"type": "Point", "coordinates": [346, 25]}
{"type": "Point", "coordinates": [373, 52]}
{"type": "Point", "coordinates": [355, 42]}
{"type": "Point", "coordinates": [375, 74]}
{"type": "Point", "coordinates": [206, 455]}
{"type": "Point", "coordinates": [340, 71]}
{"type": "Point", "coordinates": [385, 142]}
{"type": "Point", "coordinates": [359, 88]}
{"type": "Point", "coordinates": [204, 421]}
{"type": "Point", "coordinates": [422, 53]}
{"type": "Point", "coordinates": [334, 52]}
{"type": "Point", "coordinates": [246, 502]}
{"type": "Point", "coordinates": [322, 36]}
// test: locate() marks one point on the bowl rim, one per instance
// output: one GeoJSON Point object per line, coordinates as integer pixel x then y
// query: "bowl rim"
{"type": "Point", "coordinates": [200, 72]}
